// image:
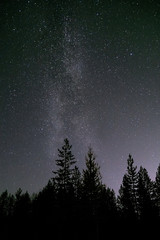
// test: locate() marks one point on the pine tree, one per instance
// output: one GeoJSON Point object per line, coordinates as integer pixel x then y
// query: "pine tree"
{"type": "Point", "coordinates": [145, 192]}
{"type": "Point", "coordinates": [124, 199]}
{"type": "Point", "coordinates": [91, 177]}
{"type": "Point", "coordinates": [92, 188]}
{"type": "Point", "coordinates": [128, 190]}
{"type": "Point", "coordinates": [63, 175]}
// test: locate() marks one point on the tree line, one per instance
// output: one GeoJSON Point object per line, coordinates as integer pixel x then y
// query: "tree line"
{"type": "Point", "coordinates": [77, 205]}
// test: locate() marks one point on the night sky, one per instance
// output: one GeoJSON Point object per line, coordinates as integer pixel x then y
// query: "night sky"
{"type": "Point", "coordinates": [85, 70]}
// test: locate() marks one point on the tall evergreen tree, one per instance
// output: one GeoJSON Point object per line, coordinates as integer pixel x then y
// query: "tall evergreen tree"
{"type": "Point", "coordinates": [92, 188]}
{"type": "Point", "coordinates": [124, 198]}
{"type": "Point", "coordinates": [91, 177]}
{"type": "Point", "coordinates": [128, 190]}
{"type": "Point", "coordinates": [145, 192]}
{"type": "Point", "coordinates": [63, 175]}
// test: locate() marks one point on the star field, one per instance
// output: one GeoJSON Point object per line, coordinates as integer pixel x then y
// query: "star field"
{"type": "Point", "coordinates": [86, 70]}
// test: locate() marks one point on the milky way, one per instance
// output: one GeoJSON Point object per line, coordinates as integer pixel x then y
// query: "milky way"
{"type": "Point", "coordinates": [86, 70]}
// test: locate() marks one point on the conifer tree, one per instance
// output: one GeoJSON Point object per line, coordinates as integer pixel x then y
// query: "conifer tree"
{"type": "Point", "coordinates": [124, 199]}
{"type": "Point", "coordinates": [128, 190]}
{"type": "Point", "coordinates": [145, 192]}
{"type": "Point", "coordinates": [63, 175]}
{"type": "Point", "coordinates": [91, 177]}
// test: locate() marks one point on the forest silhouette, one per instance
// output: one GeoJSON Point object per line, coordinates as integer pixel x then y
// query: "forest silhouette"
{"type": "Point", "coordinates": [77, 205]}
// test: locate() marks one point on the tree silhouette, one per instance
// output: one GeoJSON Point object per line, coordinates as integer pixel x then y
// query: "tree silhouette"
{"type": "Point", "coordinates": [91, 177]}
{"type": "Point", "coordinates": [128, 191]}
{"type": "Point", "coordinates": [77, 205]}
{"type": "Point", "coordinates": [63, 175]}
{"type": "Point", "coordinates": [145, 193]}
